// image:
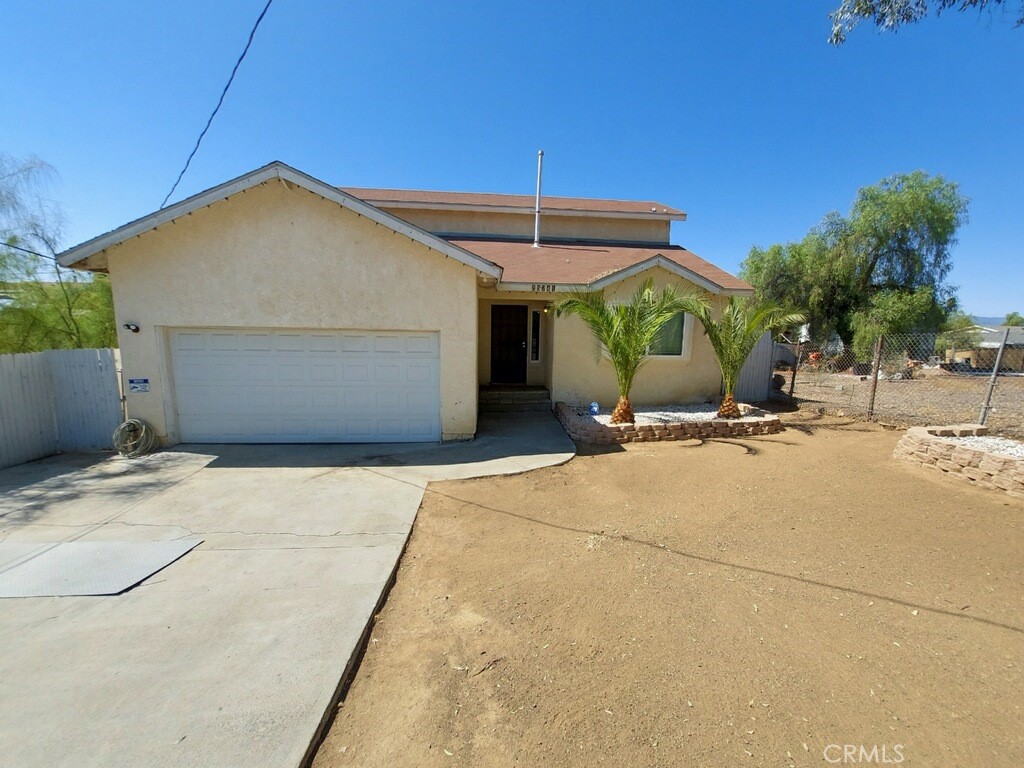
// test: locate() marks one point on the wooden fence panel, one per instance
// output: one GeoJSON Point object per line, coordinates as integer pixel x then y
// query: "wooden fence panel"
{"type": "Point", "coordinates": [60, 400]}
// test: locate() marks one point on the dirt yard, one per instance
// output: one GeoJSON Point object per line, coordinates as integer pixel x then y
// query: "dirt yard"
{"type": "Point", "coordinates": [721, 604]}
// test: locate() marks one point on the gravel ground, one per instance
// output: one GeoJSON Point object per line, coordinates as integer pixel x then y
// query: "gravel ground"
{"type": "Point", "coordinates": [936, 399]}
{"type": "Point", "coordinates": [1000, 445]}
{"type": "Point", "coordinates": [663, 414]}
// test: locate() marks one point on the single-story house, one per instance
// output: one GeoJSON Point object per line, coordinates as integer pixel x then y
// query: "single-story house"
{"type": "Point", "coordinates": [984, 345]}
{"type": "Point", "coordinates": [278, 308]}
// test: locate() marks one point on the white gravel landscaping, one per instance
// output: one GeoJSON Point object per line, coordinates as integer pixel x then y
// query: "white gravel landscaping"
{"type": "Point", "coordinates": [662, 414]}
{"type": "Point", "coordinates": [1001, 445]}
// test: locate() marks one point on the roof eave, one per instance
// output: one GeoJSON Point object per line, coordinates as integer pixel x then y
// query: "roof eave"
{"type": "Point", "coordinates": [527, 210]}
{"type": "Point", "coordinates": [270, 172]}
{"type": "Point", "coordinates": [604, 281]}
{"type": "Point", "coordinates": [671, 266]}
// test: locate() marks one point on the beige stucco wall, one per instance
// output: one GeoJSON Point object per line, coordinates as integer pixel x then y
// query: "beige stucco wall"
{"type": "Point", "coordinates": [537, 373]}
{"type": "Point", "coordinates": [281, 257]}
{"type": "Point", "coordinates": [521, 225]}
{"type": "Point", "coordinates": [581, 375]}
{"type": "Point", "coordinates": [1013, 358]}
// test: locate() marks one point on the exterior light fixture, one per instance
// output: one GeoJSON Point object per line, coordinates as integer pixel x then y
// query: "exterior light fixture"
{"type": "Point", "coordinates": [131, 327]}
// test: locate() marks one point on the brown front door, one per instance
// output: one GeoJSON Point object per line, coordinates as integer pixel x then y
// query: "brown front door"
{"type": "Point", "coordinates": [508, 344]}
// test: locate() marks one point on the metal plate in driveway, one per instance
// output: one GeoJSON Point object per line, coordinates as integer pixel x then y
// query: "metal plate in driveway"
{"type": "Point", "coordinates": [65, 569]}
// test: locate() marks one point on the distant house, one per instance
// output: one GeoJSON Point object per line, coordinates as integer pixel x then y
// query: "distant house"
{"type": "Point", "coordinates": [984, 346]}
{"type": "Point", "coordinates": [278, 308]}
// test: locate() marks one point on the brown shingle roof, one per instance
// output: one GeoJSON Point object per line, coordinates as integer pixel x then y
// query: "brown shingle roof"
{"type": "Point", "coordinates": [394, 197]}
{"type": "Point", "coordinates": [585, 264]}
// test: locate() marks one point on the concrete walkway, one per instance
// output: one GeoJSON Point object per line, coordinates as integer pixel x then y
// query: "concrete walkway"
{"type": "Point", "coordinates": [232, 655]}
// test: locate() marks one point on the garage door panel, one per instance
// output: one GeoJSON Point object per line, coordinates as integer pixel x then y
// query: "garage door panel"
{"type": "Point", "coordinates": [306, 386]}
{"type": "Point", "coordinates": [387, 344]}
{"type": "Point", "coordinates": [355, 373]}
{"type": "Point", "coordinates": [418, 372]}
{"type": "Point", "coordinates": [223, 342]}
{"type": "Point", "coordinates": [325, 399]}
{"type": "Point", "coordinates": [323, 372]}
{"type": "Point", "coordinates": [291, 372]}
{"type": "Point", "coordinates": [421, 345]}
{"type": "Point", "coordinates": [359, 430]}
{"type": "Point", "coordinates": [290, 341]}
{"type": "Point", "coordinates": [256, 342]}
{"type": "Point", "coordinates": [387, 372]}
{"type": "Point", "coordinates": [324, 342]}
{"type": "Point", "coordinates": [190, 341]}
{"type": "Point", "coordinates": [258, 399]}
{"type": "Point", "coordinates": [257, 372]}
{"type": "Point", "coordinates": [351, 342]}
{"type": "Point", "coordinates": [420, 402]}
{"type": "Point", "coordinates": [421, 428]}
{"type": "Point", "coordinates": [355, 399]}
{"type": "Point", "coordinates": [389, 400]}
{"type": "Point", "coordinates": [390, 429]}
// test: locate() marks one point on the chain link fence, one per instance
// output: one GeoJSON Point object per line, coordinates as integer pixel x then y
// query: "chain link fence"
{"type": "Point", "coordinates": [918, 378]}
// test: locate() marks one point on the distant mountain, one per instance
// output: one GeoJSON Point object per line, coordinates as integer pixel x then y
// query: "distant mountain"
{"type": "Point", "coordinates": [989, 321]}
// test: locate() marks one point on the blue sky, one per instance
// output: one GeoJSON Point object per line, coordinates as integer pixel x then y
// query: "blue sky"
{"type": "Point", "coordinates": [740, 113]}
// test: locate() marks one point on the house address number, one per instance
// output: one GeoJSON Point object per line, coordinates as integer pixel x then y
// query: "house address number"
{"type": "Point", "coordinates": [543, 287]}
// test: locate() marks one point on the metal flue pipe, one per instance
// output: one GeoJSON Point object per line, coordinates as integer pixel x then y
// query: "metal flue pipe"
{"type": "Point", "coordinates": [536, 209]}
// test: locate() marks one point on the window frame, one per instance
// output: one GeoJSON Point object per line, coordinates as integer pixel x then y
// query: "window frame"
{"type": "Point", "coordinates": [687, 348]}
{"type": "Point", "coordinates": [682, 341]}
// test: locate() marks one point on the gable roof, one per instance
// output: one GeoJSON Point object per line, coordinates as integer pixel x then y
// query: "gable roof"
{"type": "Point", "coordinates": [992, 337]}
{"type": "Point", "coordinates": [502, 203]}
{"type": "Point", "coordinates": [270, 172]}
{"type": "Point", "coordinates": [597, 266]}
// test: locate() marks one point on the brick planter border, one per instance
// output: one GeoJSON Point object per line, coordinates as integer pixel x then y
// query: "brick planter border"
{"type": "Point", "coordinates": [927, 447]}
{"type": "Point", "coordinates": [585, 430]}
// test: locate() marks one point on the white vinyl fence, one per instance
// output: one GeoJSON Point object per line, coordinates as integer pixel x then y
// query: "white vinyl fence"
{"type": "Point", "coordinates": [755, 383]}
{"type": "Point", "coordinates": [56, 401]}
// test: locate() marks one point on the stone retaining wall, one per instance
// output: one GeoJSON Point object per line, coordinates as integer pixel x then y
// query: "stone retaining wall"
{"type": "Point", "coordinates": [585, 430]}
{"type": "Point", "coordinates": [927, 447]}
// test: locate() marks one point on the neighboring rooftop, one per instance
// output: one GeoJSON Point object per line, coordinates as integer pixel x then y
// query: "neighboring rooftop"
{"type": "Point", "coordinates": [587, 264]}
{"type": "Point", "coordinates": [992, 337]}
{"type": "Point", "coordinates": [488, 201]}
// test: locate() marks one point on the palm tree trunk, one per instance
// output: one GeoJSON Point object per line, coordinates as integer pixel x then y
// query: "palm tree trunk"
{"type": "Point", "coordinates": [728, 409]}
{"type": "Point", "coordinates": [623, 413]}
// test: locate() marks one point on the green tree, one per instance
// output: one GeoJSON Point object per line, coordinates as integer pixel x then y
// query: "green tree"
{"type": "Point", "coordinates": [892, 312]}
{"type": "Point", "coordinates": [897, 239]}
{"type": "Point", "coordinates": [627, 330]}
{"type": "Point", "coordinates": [817, 274]}
{"type": "Point", "coordinates": [1014, 318]}
{"type": "Point", "coordinates": [735, 334]}
{"type": "Point", "coordinates": [958, 332]}
{"type": "Point", "coordinates": [48, 307]}
{"type": "Point", "coordinates": [893, 14]}
{"type": "Point", "coordinates": [903, 230]}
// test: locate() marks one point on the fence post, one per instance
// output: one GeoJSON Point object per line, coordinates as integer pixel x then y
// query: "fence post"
{"type": "Point", "coordinates": [875, 365]}
{"type": "Point", "coordinates": [796, 364]}
{"type": "Point", "coordinates": [986, 406]}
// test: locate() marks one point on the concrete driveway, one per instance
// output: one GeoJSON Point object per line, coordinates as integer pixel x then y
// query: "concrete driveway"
{"type": "Point", "coordinates": [232, 655]}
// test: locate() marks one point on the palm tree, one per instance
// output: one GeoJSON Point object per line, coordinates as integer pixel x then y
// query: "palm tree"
{"type": "Point", "coordinates": [742, 324]}
{"type": "Point", "coordinates": [626, 331]}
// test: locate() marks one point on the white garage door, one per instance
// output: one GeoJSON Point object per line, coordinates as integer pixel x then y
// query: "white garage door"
{"type": "Point", "coordinates": [273, 386]}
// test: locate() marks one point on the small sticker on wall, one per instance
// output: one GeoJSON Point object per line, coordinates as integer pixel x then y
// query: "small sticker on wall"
{"type": "Point", "coordinates": [138, 385]}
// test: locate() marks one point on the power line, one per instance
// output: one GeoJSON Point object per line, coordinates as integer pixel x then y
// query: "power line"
{"type": "Point", "coordinates": [34, 253]}
{"type": "Point", "coordinates": [220, 101]}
